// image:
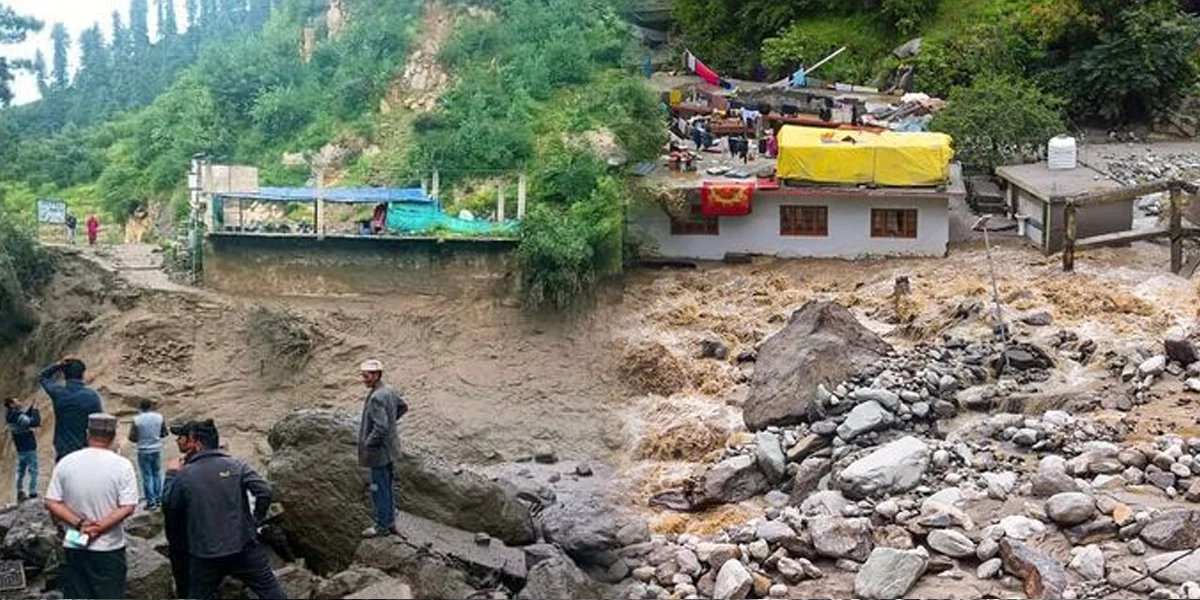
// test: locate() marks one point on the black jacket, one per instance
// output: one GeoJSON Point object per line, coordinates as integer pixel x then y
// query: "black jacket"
{"type": "Point", "coordinates": [206, 501]}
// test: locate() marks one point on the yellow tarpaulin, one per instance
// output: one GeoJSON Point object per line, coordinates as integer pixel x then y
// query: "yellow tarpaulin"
{"type": "Point", "coordinates": [862, 157]}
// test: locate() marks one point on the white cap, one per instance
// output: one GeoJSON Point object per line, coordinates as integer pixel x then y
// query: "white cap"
{"type": "Point", "coordinates": [371, 366]}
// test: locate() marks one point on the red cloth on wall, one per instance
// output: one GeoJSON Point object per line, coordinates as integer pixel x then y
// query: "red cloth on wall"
{"type": "Point", "coordinates": [720, 199]}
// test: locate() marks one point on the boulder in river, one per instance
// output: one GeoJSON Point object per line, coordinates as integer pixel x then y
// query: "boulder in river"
{"type": "Point", "coordinates": [822, 343]}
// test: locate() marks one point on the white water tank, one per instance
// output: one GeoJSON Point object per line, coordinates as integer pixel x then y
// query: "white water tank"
{"type": "Point", "coordinates": [1061, 153]}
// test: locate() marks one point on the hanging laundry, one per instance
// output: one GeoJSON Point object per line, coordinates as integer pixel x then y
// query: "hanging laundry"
{"type": "Point", "coordinates": [726, 199]}
{"type": "Point", "coordinates": [705, 73]}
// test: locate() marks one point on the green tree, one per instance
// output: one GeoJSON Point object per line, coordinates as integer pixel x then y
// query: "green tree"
{"type": "Point", "coordinates": [13, 29]}
{"type": "Point", "coordinates": [168, 27]}
{"type": "Point", "coordinates": [60, 75]}
{"type": "Point", "coordinates": [39, 73]}
{"type": "Point", "coordinates": [998, 121]}
{"type": "Point", "coordinates": [139, 26]}
{"type": "Point", "coordinates": [193, 15]}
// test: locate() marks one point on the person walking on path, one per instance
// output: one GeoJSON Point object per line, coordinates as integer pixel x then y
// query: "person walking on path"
{"type": "Point", "coordinates": [209, 495]}
{"type": "Point", "coordinates": [73, 402]}
{"type": "Point", "coordinates": [92, 492]}
{"type": "Point", "coordinates": [379, 444]}
{"type": "Point", "coordinates": [21, 424]}
{"type": "Point", "coordinates": [71, 223]}
{"type": "Point", "coordinates": [149, 429]}
{"type": "Point", "coordinates": [93, 229]}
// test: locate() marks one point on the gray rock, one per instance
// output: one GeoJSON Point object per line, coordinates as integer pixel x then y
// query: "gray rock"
{"type": "Point", "coordinates": [148, 573]}
{"type": "Point", "coordinates": [1039, 318]}
{"type": "Point", "coordinates": [987, 549]}
{"type": "Point", "coordinates": [558, 578]}
{"type": "Point", "coordinates": [920, 410]}
{"type": "Point", "coordinates": [1019, 527]}
{"type": "Point", "coordinates": [826, 503]}
{"type": "Point", "coordinates": [1180, 350]}
{"type": "Point", "coordinates": [888, 509]}
{"type": "Point", "coordinates": [1152, 366]}
{"type": "Point", "coordinates": [1184, 567]}
{"type": "Point", "coordinates": [864, 418]}
{"type": "Point", "coordinates": [1088, 562]}
{"type": "Point", "coordinates": [895, 467]}
{"type": "Point", "coordinates": [774, 532]}
{"type": "Point", "coordinates": [908, 49]}
{"type": "Point", "coordinates": [824, 428]}
{"type": "Point", "coordinates": [1192, 384]}
{"type": "Point", "coordinates": [1026, 437]}
{"type": "Point", "coordinates": [808, 477]}
{"type": "Point", "coordinates": [758, 550]}
{"type": "Point", "coordinates": [1070, 508]}
{"type": "Point", "coordinates": [1173, 530]}
{"type": "Point", "coordinates": [388, 589]}
{"type": "Point", "coordinates": [838, 537]}
{"type": "Point", "coordinates": [733, 582]}
{"type": "Point", "coordinates": [887, 399]}
{"type": "Point", "coordinates": [890, 573]}
{"type": "Point", "coordinates": [1051, 477]}
{"type": "Point", "coordinates": [951, 543]}
{"type": "Point", "coordinates": [145, 524]}
{"type": "Point", "coordinates": [33, 538]}
{"type": "Point", "coordinates": [768, 453]}
{"type": "Point", "coordinates": [822, 343]}
{"type": "Point", "coordinates": [348, 582]}
{"type": "Point", "coordinates": [806, 446]}
{"type": "Point", "coordinates": [989, 568]}
{"type": "Point", "coordinates": [732, 480]}
{"type": "Point", "coordinates": [309, 454]}
{"type": "Point", "coordinates": [778, 590]}
{"type": "Point", "coordinates": [688, 562]}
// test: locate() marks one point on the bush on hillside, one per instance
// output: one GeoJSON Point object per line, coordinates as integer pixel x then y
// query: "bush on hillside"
{"type": "Point", "coordinates": [999, 121]}
{"type": "Point", "coordinates": [24, 268]}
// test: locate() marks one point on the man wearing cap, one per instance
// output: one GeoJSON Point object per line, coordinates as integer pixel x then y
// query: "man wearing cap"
{"type": "Point", "coordinates": [208, 494]}
{"type": "Point", "coordinates": [73, 402]}
{"type": "Point", "coordinates": [378, 444]}
{"type": "Point", "coordinates": [92, 491]}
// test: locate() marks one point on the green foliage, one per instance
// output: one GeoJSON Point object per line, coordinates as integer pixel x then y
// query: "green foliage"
{"type": "Point", "coordinates": [999, 120]}
{"type": "Point", "coordinates": [13, 29]}
{"type": "Point", "coordinates": [1144, 60]}
{"type": "Point", "coordinates": [810, 40]}
{"type": "Point", "coordinates": [906, 16]}
{"type": "Point", "coordinates": [24, 268]}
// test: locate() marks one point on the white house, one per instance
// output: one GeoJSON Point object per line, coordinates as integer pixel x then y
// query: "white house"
{"type": "Point", "coordinates": [809, 221]}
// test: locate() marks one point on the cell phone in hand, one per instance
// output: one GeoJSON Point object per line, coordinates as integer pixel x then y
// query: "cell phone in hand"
{"type": "Point", "coordinates": [76, 538]}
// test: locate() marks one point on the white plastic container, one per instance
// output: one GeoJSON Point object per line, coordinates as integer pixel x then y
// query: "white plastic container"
{"type": "Point", "coordinates": [1062, 153]}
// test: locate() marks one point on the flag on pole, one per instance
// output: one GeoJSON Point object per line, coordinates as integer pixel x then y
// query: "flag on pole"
{"type": "Point", "coordinates": [705, 73]}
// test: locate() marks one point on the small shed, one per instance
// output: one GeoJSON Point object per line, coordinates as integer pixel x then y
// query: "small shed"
{"type": "Point", "coordinates": [1037, 196]}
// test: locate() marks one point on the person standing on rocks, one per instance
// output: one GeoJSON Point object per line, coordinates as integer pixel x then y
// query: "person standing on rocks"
{"type": "Point", "coordinates": [175, 525]}
{"type": "Point", "coordinates": [209, 494]}
{"type": "Point", "coordinates": [149, 429]}
{"type": "Point", "coordinates": [73, 401]}
{"type": "Point", "coordinates": [21, 424]}
{"type": "Point", "coordinates": [379, 444]}
{"type": "Point", "coordinates": [92, 492]}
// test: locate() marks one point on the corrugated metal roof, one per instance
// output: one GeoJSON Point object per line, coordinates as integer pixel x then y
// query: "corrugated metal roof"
{"type": "Point", "coordinates": [337, 195]}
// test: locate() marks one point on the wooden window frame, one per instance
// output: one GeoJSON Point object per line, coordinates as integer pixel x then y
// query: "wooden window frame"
{"type": "Point", "coordinates": [905, 222]}
{"type": "Point", "coordinates": [696, 223]}
{"type": "Point", "coordinates": [797, 220]}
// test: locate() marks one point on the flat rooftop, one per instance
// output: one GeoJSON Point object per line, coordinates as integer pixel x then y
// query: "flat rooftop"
{"type": "Point", "coordinates": [1051, 186]}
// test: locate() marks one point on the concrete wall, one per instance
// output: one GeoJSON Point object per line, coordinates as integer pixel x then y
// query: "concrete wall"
{"type": "Point", "coordinates": [758, 233]}
{"type": "Point", "coordinates": [1091, 220]}
{"type": "Point", "coordinates": [299, 266]}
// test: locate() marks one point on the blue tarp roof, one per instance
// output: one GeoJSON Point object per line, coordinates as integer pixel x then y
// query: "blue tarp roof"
{"type": "Point", "coordinates": [340, 195]}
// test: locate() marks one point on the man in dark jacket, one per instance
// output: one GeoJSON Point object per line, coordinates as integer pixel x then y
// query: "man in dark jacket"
{"type": "Point", "coordinates": [379, 445]}
{"type": "Point", "coordinates": [73, 402]}
{"type": "Point", "coordinates": [21, 423]}
{"type": "Point", "coordinates": [208, 495]}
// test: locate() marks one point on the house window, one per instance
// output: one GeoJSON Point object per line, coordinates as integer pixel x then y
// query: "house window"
{"type": "Point", "coordinates": [894, 223]}
{"type": "Point", "coordinates": [804, 220]}
{"type": "Point", "coordinates": [695, 223]}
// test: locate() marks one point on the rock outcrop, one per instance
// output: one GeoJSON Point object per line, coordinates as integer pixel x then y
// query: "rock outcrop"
{"type": "Point", "coordinates": [314, 469]}
{"type": "Point", "coordinates": [821, 344]}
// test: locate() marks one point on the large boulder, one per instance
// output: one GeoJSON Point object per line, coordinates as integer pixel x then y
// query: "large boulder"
{"type": "Point", "coordinates": [1043, 576]}
{"type": "Point", "coordinates": [895, 467]}
{"type": "Point", "coordinates": [388, 589]}
{"type": "Point", "coordinates": [33, 539]}
{"type": "Point", "coordinates": [732, 480]}
{"type": "Point", "coordinates": [1173, 530]}
{"type": "Point", "coordinates": [347, 582]}
{"type": "Point", "coordinates": [889, 573]}
{"type": "Point", "coordinates": [588, 526]}
{"type": "Point", "coordinates": [837, 537]}
{"type": "Point", "coordinates": [145, 524]}
{"type": "Point", "coordinates": [314, 469]}
{"type": "Point", "coordinates": [821, 344]}
{"type": "Point", "coordinates": [558, 577]}
{"type": "Point", "coordinates": [148, 573]}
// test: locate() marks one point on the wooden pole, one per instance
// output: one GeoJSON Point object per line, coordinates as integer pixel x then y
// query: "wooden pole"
{"type": "Point", "coordinates": [436, 190]}
{"type": "Point", "coordinates": [1176, 229]}
{"type": "Point", "coordinates": [1069, 238]}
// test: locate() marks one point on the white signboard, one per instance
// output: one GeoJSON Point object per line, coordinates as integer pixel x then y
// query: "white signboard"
{"type": "Point", "coordinates": [52, 211]}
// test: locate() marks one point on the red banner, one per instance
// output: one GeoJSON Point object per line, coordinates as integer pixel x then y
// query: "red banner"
{"type": "Point", "coordinates": [719, 199]}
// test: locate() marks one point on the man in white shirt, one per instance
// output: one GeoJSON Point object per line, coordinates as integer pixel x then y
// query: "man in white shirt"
{"type": "Point", "coordinates": [92, 491]}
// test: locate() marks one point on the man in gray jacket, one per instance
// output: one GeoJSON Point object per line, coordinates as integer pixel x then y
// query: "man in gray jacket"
{"type": "Point", "coordinates": [379, 444]}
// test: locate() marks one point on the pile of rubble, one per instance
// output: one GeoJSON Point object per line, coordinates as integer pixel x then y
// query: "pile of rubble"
{"type": "Point", "coordinates": [1151, 166]}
